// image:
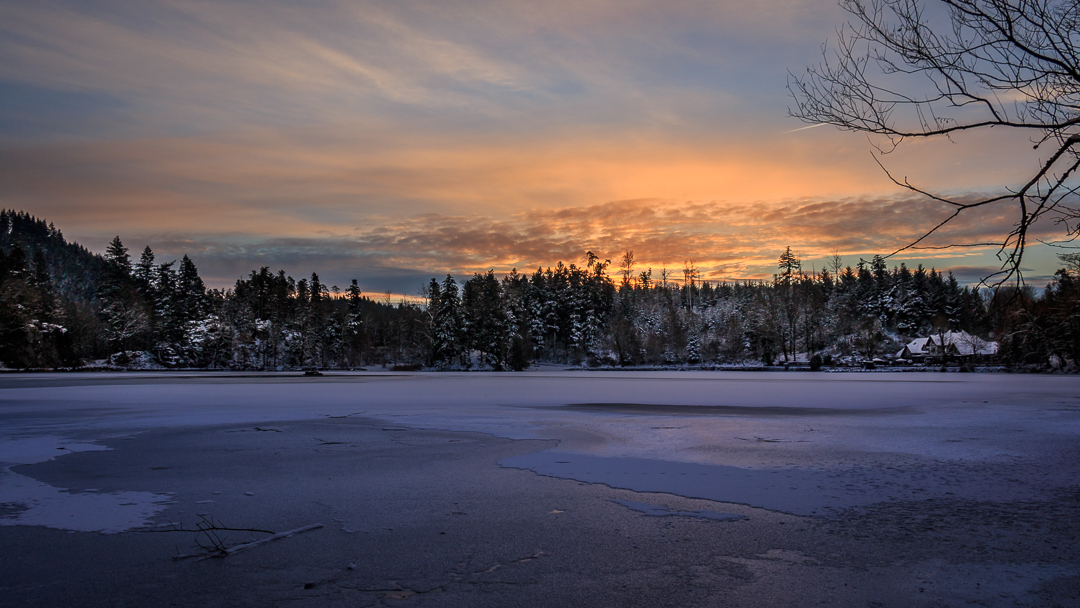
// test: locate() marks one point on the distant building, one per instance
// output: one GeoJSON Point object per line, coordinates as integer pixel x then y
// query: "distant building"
{"type": "Point", "coordinates": [914, 350]}
{"type": "Point", "coordinates": [952, 343]}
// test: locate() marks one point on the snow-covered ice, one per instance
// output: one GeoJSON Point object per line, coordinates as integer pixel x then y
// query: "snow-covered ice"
{"type": "Point", "coordinates": [28, 502]}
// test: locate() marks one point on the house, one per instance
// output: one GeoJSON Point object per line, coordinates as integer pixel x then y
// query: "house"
{"type": "Point", "coordinates": [916, 349]}
{"type": "Point", "coordinates": [951, 343]}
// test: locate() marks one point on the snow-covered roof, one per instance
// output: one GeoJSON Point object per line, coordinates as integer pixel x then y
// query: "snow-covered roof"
{"type": "Point", "coordinates": [961, 343]}
{"type": "Point", "coordinates": [917, 346]}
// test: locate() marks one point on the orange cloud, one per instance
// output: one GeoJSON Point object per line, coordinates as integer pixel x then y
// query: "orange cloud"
{"type": "Point", "coordinates": [725, 241]}
{"type": "Point", "coordinates": [297, 182]}
{"type": "Point", "coordinates": [421, 198]}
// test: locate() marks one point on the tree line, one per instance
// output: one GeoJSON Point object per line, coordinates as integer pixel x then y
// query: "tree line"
{"type": "Point", "coordinates": [63, 306]}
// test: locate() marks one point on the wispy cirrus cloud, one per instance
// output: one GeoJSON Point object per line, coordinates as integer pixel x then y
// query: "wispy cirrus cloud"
{"type": "Point", "coordinates": [185, 66]}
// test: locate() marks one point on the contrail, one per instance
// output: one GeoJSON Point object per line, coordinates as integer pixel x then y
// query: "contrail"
{"type": "Point", "coordinates": [820, 124]}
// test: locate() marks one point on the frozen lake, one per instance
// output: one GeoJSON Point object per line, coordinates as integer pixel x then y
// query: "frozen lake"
{"type": "Point", "coordinates": [842, 450]}
{"type": "Point", "coordinates": [792, 442]}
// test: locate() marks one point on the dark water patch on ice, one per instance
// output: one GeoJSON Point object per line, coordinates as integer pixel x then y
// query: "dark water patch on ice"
{"type": "Point", "coordinates": [789, 490]}
{"type": "Point", "coordinates": [658, 511]}
{"type": "Point", "coordinates": [658, 409]}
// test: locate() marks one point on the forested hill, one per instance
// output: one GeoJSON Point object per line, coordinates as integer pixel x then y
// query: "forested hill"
{"type": "Point", "coordinates": [72, 270]}
{"type": "Point", "coordinates": [62, 306]}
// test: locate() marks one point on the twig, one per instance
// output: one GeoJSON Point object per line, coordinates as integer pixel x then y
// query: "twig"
{"type": "Point", "coordinates": [220, 551]}
{"type": "Point", "coordinates": [278, 536]}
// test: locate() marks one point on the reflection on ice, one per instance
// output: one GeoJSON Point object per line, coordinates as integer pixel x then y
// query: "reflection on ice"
{"type": "Point", "coordinates": [792, 491]}
{"type": "Point", "coordinates": [788, 490]}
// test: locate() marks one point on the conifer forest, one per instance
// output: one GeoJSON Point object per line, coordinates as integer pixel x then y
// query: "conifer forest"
{"type": "Point", "coordinates": [62, 306]}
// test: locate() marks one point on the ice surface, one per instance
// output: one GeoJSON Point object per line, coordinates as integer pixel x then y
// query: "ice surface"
{"type": "Point", "coordinates": [658, 511]}
{"type": "Point", "coordinates": [28, 502]}
{"type": "Point", "coordinates": [789, 490]}
{"type": "Point", "coordinates": [795, 442]}
{"type": "Point", "coordinates": [31, 450]}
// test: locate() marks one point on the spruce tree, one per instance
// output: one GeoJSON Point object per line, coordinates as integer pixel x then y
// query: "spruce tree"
{"type": "Point", "coordinates": [144, 273]}
{"type": "Point", "coordinates": [447, 334]}
{"type": "Point", "coordinates": [117, 277]}
{"type": "Point", "coordinates": [354, 326]}
{"type": "Point", "coordinates": [789, 265]}
{"type": "Point", "coordinates": [190, 291]}
{"type": "Point", "coordinates": [117, 257]}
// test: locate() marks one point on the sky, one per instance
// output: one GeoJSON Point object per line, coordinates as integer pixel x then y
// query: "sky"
{"type": "Point", "coordinates": [392, 142]}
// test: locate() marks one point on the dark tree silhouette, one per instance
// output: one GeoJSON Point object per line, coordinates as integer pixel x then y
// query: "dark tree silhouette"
{"type": "Point", "coordinates": [117, 255]}
{"type": "Point", "coordinates": [61, 306]}
{"type": "Point", "coordinates": [905, 69]}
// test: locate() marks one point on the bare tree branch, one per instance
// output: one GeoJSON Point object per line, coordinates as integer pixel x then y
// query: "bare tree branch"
{"type": "Point", "coordinates": [905, 69]}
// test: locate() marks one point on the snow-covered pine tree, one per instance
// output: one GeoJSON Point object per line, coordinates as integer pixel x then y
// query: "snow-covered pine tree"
{"type": "Point", "coordinates": [449, 332]}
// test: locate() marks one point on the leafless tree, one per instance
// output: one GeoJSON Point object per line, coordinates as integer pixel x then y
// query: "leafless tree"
{"type": "Point", "coordinates": [627, 267]}
{"type": "Point", "coordinates": [835, 263]}
{"type": "Point", "coordinates": [909, 69]}
{"type": "Point", "coordinates": [125, 321]}
{"type": "Point", "coordinates": [690, 274]}
{"type": "Point", "coordinates": [1071, 261]}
